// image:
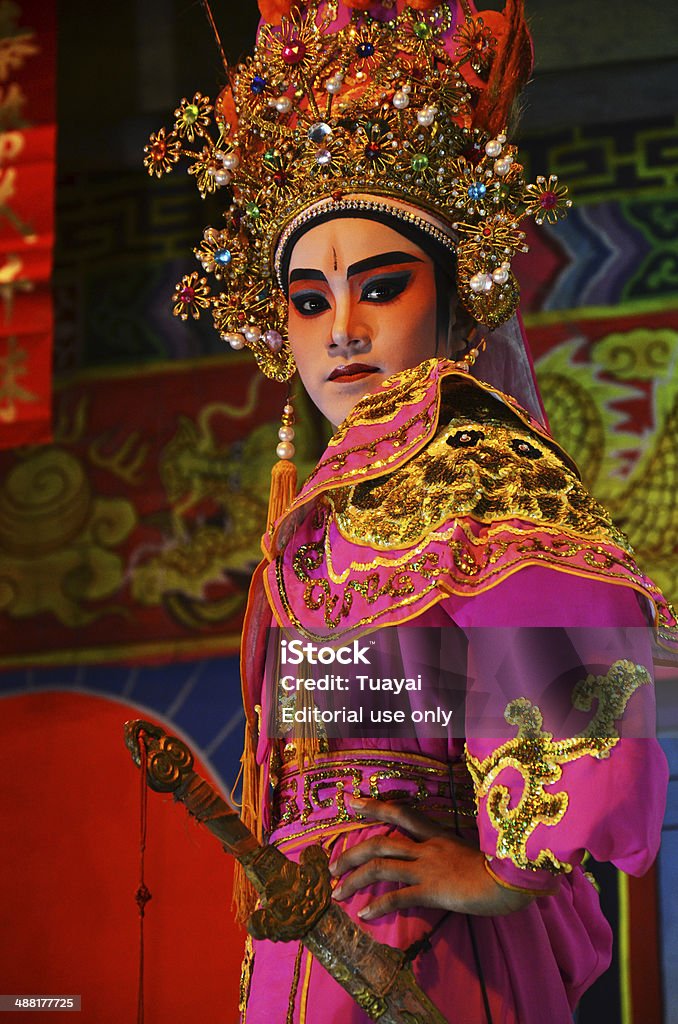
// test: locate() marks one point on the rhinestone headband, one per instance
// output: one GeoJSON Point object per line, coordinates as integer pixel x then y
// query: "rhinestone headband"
{"type": "Point", "coordinates": [392, 109]}
{"type": "Point", "coordinates": [344, 205]}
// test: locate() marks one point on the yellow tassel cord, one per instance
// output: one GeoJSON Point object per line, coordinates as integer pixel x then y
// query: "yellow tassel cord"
{"type": "Point", "coordinates": [284, 473]}
{"type": "Point", "coordinates": [244, 894]}
{"type": "Point", "coordinates": [307, 740]}
{"type": "Point", "coordinates": [283, 489]}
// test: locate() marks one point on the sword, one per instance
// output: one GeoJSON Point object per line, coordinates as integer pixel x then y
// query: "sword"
{"type": "Point", "coordinates": [296, 898]}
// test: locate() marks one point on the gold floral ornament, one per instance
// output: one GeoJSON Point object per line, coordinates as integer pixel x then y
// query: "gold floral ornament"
{"type": "Point", "coordinates": [423, 29]}
{"type": "Point", "coordinates": [370, 48]}
{"type": "Point", "coordinates": [219, 256]}
{"type": "Point", "coordinates": [295, 48]}
{"type": "Point", "coordinates": [547, 200]}
{"type": "Point", "coordinates": [539, 759]}
{"type": "Point", "coordinates": [385, 115]}
{"type": "Point", "coordinates": [236, 316]}
{"type": "Point", "coordinates": [476, 45]}
{"type": "Point", "coordinates": [161, 152]}
{"type": "Point", "coordinates": [190, 296]}
{"type": "Point", "coordinates": [193, 118]}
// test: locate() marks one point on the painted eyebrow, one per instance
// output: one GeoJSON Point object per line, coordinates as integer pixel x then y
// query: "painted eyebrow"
{"type": "Point", "coordinates": [384, 259]}
{"type": "Point", "coordinates": [300, 274]}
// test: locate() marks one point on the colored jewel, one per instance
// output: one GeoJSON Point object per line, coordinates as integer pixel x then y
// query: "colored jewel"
{"type": "Point", "coordinates": [422, 30]}
{"type": "Point", "coordinates": [293, 52]}
{"type": "Point", "coordinates": [318, 132]}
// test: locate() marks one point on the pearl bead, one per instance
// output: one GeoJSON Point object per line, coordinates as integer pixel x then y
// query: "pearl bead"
{"type": "Point", "coordinates": [426, 116]}
{"type": "Point", "coordinates": [500, 276]}
{"type": "Point", "coordinates": [274, 340]}
{"type": "Point", "coordinates": [236, 341]}
{"type": "Point", "coordinates": [401, 100]}
{"type": "Point", "coordinates": [333, 84]}
{"type": "Point", "coordinates": [252, 334]}
{"type": "Point", "coordinates": [230, 161]}
{"type": "Point", "coordinates": [283, 105]}
{"type": "Point", "coordinates": [222, 177]}
{"type": "Point", "coordinates": [286, 433]}
{"type": "Point", "coordinates": [493, 148]}
{"type": "Point", "coordinates": [481, 283]}
{"type": "Point", "coordinates": [502, 167]}
{"type": "Point", "coordinates": [285, 450]}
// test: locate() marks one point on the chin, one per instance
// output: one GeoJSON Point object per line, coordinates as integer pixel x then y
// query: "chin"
{"type": "Point", "coordinates": [337, 408]}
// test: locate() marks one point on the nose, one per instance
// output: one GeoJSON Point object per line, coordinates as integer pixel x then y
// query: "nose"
{"type": "Point", "coordinates": [349, 333]}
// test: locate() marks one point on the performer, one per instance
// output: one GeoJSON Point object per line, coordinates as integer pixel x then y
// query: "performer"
{"type": "Point", "coordinates": [374, 208]}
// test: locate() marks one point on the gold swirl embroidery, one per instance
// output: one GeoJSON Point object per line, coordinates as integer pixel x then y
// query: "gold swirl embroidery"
{"type": "Point", "coordinates": [409, 387]}
{"type": "Point", "coordinates": [319, 801]}
{"type": "Point", "coordinates": [399, 584]}
{"type": "Point", "coordinates": [246, 969]}
{"type": "Point", "coordinates": [539, 759]}
{"type": "Point", "coordinates": [475, 560]}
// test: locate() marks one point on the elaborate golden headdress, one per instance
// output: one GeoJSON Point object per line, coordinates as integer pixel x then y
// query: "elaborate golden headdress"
{"type": "Point", "coordinates": [353, 107]}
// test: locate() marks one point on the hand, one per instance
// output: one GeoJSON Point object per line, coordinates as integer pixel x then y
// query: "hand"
{"type": "Point", "coordinates": [434, 867]}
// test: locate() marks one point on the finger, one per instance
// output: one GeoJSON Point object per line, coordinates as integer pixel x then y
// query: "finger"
{"type": "Point", "coordinates": [378, 846]}
{"type": "Point", "coordinates": [379, 869]}
{"type": "Point", "coordinates": [397, 899]}
{"type": "Point", "coordinates": [406, 818]}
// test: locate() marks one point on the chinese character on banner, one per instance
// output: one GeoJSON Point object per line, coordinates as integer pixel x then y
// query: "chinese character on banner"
{"type": "Point", "coordinates": [27, 184]}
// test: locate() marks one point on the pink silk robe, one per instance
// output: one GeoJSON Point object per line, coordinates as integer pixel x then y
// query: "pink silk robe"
{"type": "Point", "coordinates": [525, 586]}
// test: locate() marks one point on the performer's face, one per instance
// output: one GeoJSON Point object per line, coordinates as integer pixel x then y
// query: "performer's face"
{"type": "Point", "coordinates": [362, 305]}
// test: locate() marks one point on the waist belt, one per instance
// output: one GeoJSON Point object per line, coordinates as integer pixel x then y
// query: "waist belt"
{"type": "Point", "coordinates": [311, 800]}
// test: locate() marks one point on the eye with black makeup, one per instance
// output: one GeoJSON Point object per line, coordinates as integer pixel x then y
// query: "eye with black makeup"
{"type": "Point", "coordinates": [309, 303]}
{"type": "Point", "coordinates": [385, 287]}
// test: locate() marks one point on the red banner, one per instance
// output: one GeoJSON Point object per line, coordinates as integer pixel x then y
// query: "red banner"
{"type": "Point", "coordinates": [27, 182]}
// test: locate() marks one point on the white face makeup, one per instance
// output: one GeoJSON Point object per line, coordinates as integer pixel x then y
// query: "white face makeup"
{"type": "Point", "coordinates": [362, 305]}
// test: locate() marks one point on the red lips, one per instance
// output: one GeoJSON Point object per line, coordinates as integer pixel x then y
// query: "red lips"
{"type": "Point", "coordinates": [349, 372]}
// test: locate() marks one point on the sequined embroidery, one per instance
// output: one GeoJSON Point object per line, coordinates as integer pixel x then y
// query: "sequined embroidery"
{"type": "Point", "coordinates": [411, 386]}
{"type": "Point", "coordinates": [456, 514]}
{"type": "Point", "coordinates": [539, 759]}
{"type": "Point", "coordinates": [313, 799]}
{"type": "Point", "coordinates": [501, 471]}
{"type": "Point", "coordinates": [246, 969]}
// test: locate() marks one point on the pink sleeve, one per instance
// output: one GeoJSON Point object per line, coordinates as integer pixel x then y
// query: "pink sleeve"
{"type": "Point", "coordinates": [560, 726]}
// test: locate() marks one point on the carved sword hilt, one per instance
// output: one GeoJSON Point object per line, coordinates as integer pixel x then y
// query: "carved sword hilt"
{"type": "Point", "coordinates": [296, 898]}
